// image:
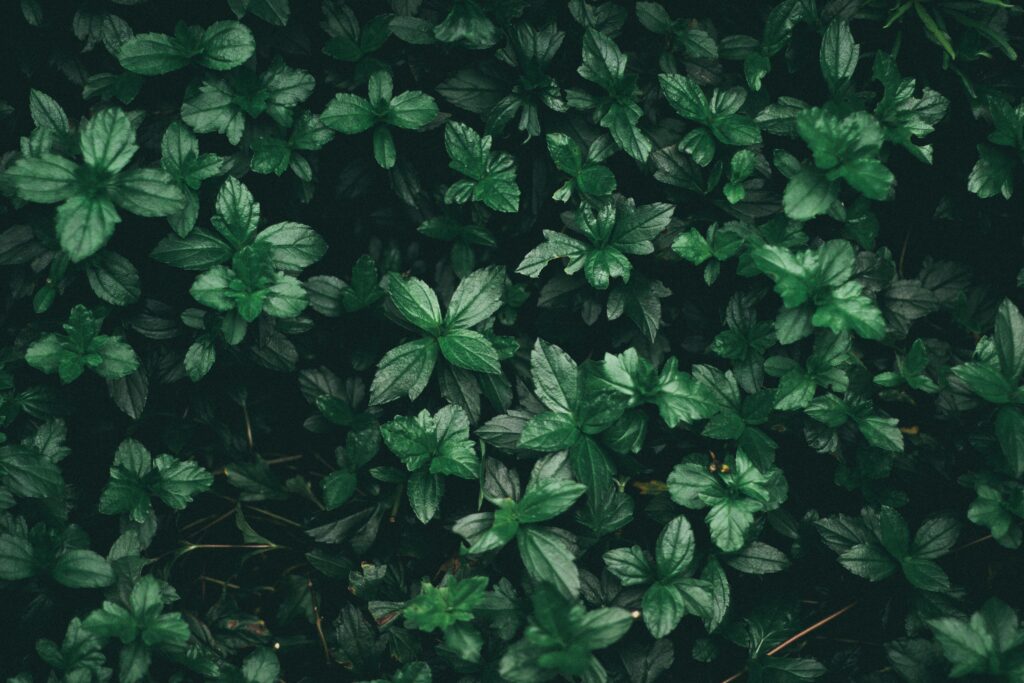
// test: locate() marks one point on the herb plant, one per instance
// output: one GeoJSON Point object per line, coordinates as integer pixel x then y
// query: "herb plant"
{"type": "Point", "coordinates": [483, 341]}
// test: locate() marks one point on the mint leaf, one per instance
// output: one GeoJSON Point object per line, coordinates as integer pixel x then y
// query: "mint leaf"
{"type": "Point", "coordinates": [476, 298]}
{"type": "Point", "coordinates": [491, 175]}
{"type": "Point", "coordinates": [136, 477]}
{"type": "Point", "coordinates": [469, 350]}
{"type": "Point", "coordinates": [416, 302]}
{"type": "Point", "coordinates": [440, 608]}
{"type": "Point", "coordinates": [82, 347]}
{"type": "Point", "coordinates": [404, 371]}
{"type": "Point", "coordinates": [838, 55]}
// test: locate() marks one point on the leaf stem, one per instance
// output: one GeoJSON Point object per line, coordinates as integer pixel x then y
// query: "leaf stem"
{"type": "Point", "coordinates": [792, 639]}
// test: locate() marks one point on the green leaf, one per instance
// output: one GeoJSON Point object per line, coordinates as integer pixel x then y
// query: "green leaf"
{"type": "Point", "coordinates": [69, 355]}
{"type": "Point", "coordinates": [599, 180]}
{"type": "Point", "coordinates": [425, 491]}
{"type": "Point", "coordinates": [566, 154]}
{"type": "Point", "coordinates": [548, 499]}
{"type": "Point", "coordinates": [675, 549]}
{"type": "Point", "coordinates": [838, 55]}
{"type": "Point", "coordinates": [200, 250]}
{"type": "Point", "coordinates": [681, 398]}
{"type": "Point", "coordinates": [212, 288]}
{"type": "Point", "coordinates": [416, 302]}
{"type": "Point", "coordinates": [16, 558]}
{"type": "Point", "coordinates": [554, 377]}
{"type": "Point", "coordinates": [808, 194]}
{"type": "Point", "coordinates": [47, 113]}
{"type": "Point", "coordinates": [285, 298]}
{"type": "Point", "coordinates": [492, 174]}
{"type": "Point", "coordinates": [226, 45]}
{"type": "Point", "coordinates": [1009, 340]}
{"type": "Point", "coordinates": [662, 607]}
{"type": "Point", "coordinates": [411, 110]}
{"type": "Point", "coordinates": [293, 246]}
{"type": "Point", "coordinates": [603, 627]}
{"type": "Point", "coordinates": [30, 475]}
{"type": "Point", "coordinates": [147, 192]}
{"type": "Point", "coordinates": [549, 432]}
{"type": "Point", "coordinates": [985, 380]}
{"type": "Point", "coordinates": [935, 537]}
{"type": "Point", "coordinates": [442, 607]}
{"type": "Point", "coordinates": [47, 179]}
{"type": "Point", "coordinates": [556, 246]}
{"type": "Point", "coordinates": [685, 96]}
{"type": "Point", "coordinates": [199, 359]}
{"type": "Point", "coordinates": [82, 569]}
{"type": "Point", "coordinates": [476, 298]}
{"type": "Point", "coordinates": [79, 655]}
{"type": "Point", "coordinates": [108, 141]}
{"type": "Point", "coordinates": [547, 558]}
{"type": "Point", "coordinates": [893, 532]}
{"type": "Point", "coordinates": [276, 12]}
{"type": "Point", "coordinates": [849, 309]}
{"type": "Point", "coordinates": [1009, 425]}
{"type": "Point", "coordinates": [404, 370]}
{"type": "Point", "coordinates": [113, 278]}
{"type": "Point", "coordinates": [84, 225]}
{"type": "Point", "coordinates": [282, 296]}
{"type": "Point", "coordinates": [992, 510]}
{"type": "Point", "coordinates": [503, 530]}
{"type": "Point", "coordinates": [987, 643]}
{"type": "Point", "coordinates": [758, 558]}
{"type": "Point", "coordinates": [178, 481]}
{"type": "Point", "coordinates": [466, 23]}
{"type": "Point", "coordinates": [469, 350]}
{"type": "Point", "coordinates": [413, 440]}
{"type": "Point", "coordinates": [349, 114]}
{"type": "Point", "coordinates": [261, 667]}
{"type": "Point", "coordinates": [134, 663]}
{"type": "Point", "coordinates": [693, 486]}
{"type": "Point", "coordinates": [135, 477]}
{"type": "Point", "coordinates": [868, 561]}
{"type": "Point", "coordinates": [338, 487]}
{"type": "Point", "coordinates": [847, 148]}
{"type": "Point", "coordinates": [993, 173]}
{"type": "Point", "coordinates": [621, 120]}
{"type": "Point", "coordinates": [238, 214]}
{"type": "Point", "coordinates": [730, 521]}
{"type": "Point", "coordinates": [384, 148]}
{"type": "Point", "coordinates": [152, 54]}
{"type": "Point", "coordinates": [735, 129]}
{"type": "Point", "coordinates": [603, 62]}
{"type": "Point", "coordinates": [630, 565]}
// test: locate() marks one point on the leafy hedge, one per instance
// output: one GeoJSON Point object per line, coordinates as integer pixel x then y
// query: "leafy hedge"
{"type": "Point", "coordinates": [508, 340]}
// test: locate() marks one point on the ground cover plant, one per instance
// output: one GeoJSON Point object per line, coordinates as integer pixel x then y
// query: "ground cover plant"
{"type": "Point", "coordinates": [473, 340]}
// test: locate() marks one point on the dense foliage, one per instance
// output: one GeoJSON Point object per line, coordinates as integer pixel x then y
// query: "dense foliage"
{"type": "Point", "coordinates": [509, 340]}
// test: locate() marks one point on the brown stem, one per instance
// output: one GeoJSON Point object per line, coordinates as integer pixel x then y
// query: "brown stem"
{"type": "Point", "coordinates": [273, 515]}
{"type": "Point", "coordinates": [215, 522]}
{"type": "Point", "coordinates": [903, 249]}
{"type": "Point", "coordinates": [285, 458]}
{"type": "Point", "coordinates": [986, 537]}
{"type": "Point", "coordinates": [397, 502]}
{"type": "Point", "coordinates": [811, 629]}
{"type": "Point", "coordinates": [318, 623]}
{"type": "Point", "coordinates": [789, 641]}
{"type": "Point", "coordinates": [224, 546]}
{"type": "Point", "coordinates": [223, 584]}
{"type": "Point", "coordinates": [248, 426]}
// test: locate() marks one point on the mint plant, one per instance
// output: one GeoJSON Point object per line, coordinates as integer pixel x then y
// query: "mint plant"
{"type": "Point", "coordinates": [90, 193]}
{"type": "Point", "coordinates": [470, 340]}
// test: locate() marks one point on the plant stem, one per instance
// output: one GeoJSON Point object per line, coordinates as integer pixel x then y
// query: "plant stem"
{"type": "Point", "coordinates": [792, 639]}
